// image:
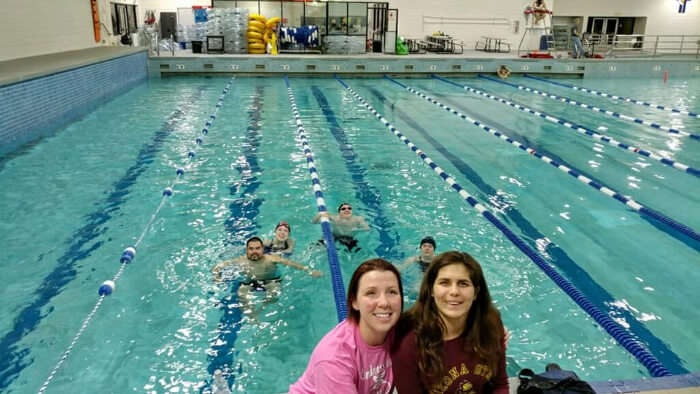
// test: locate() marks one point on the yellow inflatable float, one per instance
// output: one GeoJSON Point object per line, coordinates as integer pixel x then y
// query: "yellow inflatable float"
{"type": "Point", "coordinates": [261, 34]}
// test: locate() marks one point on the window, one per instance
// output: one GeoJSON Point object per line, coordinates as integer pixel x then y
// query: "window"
{"type": "Point", "coordinates": [123, 19]}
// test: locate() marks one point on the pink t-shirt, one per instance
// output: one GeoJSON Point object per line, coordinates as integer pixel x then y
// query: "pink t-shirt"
{"type": "Point", "coordinates": [343, 363]}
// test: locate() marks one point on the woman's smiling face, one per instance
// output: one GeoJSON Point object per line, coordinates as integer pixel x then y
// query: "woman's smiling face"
{"type": "Point", "coordinates": [453, 294]}
{"type": "Point", "coordinates": [379, 303]}
{"type": "Point", "coordinates": [282, 233]}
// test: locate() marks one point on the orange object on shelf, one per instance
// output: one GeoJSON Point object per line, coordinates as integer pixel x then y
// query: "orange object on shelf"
{"type": "Point", "coordinates": [95, 19]}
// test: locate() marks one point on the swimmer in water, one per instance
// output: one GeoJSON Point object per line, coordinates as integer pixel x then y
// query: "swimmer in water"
{"type": "Point", "coordinates": [344, 225]}
{"type": "Point", "coordinates": [281, 243]}
{"type": "Point", "coordinates": [427, 252]}
{"type": "Point", "coordinates": [260, 271]}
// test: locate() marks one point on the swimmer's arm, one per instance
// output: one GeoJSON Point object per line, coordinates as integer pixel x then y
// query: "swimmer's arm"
{"type": "Point", "coordinates": [317, 218]}
{"type": "Point", "coordinates": [406, 263]}
{"type": "Point", "coordinates": [216, 270]}
{"type": "Point", "coordinates": [362, 224]}
{"type": "Point", "coordinates": [298, 266]}
{"type": "Point", "coordinates": [290, 246]}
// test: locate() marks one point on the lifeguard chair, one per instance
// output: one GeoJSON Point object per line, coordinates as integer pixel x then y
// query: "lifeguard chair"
{"type": "Point", "coordinates": [537, 30]}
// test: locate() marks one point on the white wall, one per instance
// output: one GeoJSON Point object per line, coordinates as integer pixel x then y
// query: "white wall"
{"type": "Point", "coordinates": [412, 20]}
{"type": "Point", "coordinates": [166, 6]}
{"type": "Point", "coordinates": [662, 15]}
{"type": "Point", "coordinates": [37, 27]}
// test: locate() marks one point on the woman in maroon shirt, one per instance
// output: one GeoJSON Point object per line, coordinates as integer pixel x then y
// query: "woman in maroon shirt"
{"type": "Point", "coordinates": [452, 340]}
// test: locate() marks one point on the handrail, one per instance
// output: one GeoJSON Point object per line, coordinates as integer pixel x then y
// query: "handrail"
{"type": "Point", "coordinates": [636, 45]}
{"type": "Point", "coordinates": [645, 45]}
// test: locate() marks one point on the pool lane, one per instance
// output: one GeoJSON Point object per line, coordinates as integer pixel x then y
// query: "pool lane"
{"type": "Point", "coordinates": [15, 359]}
{"type": "Point", "coordinates": [600, 297]}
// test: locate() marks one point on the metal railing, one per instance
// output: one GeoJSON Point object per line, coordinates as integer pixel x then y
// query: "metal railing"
{"type": "Point", "coordinates": [641, 45]}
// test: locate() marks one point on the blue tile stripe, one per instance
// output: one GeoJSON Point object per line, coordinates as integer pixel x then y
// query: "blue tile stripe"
{"type": "Point", "coordinates": [81, 247]}
{"type": "Point", "coordinates": [616, 97]}
{"type": "Point", "coordinates": [341, 307]}
{"type": "Point", "coordinates": [129, 253]}
{"type": "Point", "coordinates": [240, 225]}
{"type": "Point", "coordinates": [592, 108]}
{"type": "Point", "coordinates": [579, 129]}
{"type": "Point", "coordinates": [635, 347]}
{"type": "Point", "coordinates": [577, 174]}
{"type": "Point", "coordinates": [37, 107]}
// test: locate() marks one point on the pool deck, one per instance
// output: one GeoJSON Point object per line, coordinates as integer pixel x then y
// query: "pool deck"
{"type": "Point", "coordinates": [18, 70]}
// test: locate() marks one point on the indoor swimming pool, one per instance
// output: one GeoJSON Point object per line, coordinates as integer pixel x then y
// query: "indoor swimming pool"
{"type": "Point", "coordinates": [619, 223]}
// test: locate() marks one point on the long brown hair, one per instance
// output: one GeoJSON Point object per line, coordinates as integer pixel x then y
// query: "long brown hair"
{"type": "Point", "coordinates": [483, 332]}
{"type": "Point", "coordinates": [367, 266]}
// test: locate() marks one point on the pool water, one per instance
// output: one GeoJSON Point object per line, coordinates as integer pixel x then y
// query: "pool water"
{"type": "Point", "coordinates": [70, 204]}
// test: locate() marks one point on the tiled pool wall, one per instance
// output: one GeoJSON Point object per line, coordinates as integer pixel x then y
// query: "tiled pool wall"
{"type": "Point", "coordinates": [328, 65]}
{"type": "Point", "coordinates": [38, 107]}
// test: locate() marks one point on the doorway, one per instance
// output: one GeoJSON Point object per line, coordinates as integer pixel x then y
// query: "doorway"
{"type": "Point", "coordinates": [167, 24]}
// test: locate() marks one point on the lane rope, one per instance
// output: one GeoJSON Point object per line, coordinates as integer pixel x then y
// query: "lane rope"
{"type": "Point", "coordinates": [364, 190]}
{"type": "Point", "coordinates": [613, 328]}
{"type": "Point", "coordinates": [616, 97]}
{"type": "Point", "coordinates": [108, 286]}
{"type": "Point", "coordinates": [593, 108]}
{"type": "Point", "coordinates": [333, 262]}
{"type": "Point", "coordinates": [579, 129]}
{"type": "Point", "coordinates": [571, 171]}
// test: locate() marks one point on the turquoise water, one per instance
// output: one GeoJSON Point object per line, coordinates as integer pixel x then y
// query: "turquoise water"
{"type": "Point", "coordinates": [71, 203]}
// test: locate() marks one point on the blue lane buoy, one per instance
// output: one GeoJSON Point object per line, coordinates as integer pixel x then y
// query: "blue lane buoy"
{"type": "Point", "coordinates": [190, 154]}
{"type": "Point", "coordinates": [198, 140]}
{"type": "Point", "coordinates": [212, 117]}
{"type": "Point", "coordinates": [106, 288]}
{"type": "Point", "coordinates": [205, 131]}
{"type": "Point", "coordinates": [128, 255]}
{"type": "Point", "coordinates": [168, 191]}
{"type": "Point", "coordinates": [180, 171]}
{"type": "Point", "coordinates": [208, 124]}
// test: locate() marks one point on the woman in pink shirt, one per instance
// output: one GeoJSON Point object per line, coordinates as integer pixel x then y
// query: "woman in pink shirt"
{"type": "Point", "coordinates": [354, 356]}
{"type": "Point", "coordinates": [452, 339]}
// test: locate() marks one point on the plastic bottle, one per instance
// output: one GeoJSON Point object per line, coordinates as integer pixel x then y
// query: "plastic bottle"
{"type": "Point", "coordinates": [219, 385]}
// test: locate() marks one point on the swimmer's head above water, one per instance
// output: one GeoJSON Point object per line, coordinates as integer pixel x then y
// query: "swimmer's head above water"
{"type": "Point", "coordinates": [345, 209]}
{"type": "Point", "coordinates": [282, 231]}
{"type": "Point", "coordinates": [254, 249]}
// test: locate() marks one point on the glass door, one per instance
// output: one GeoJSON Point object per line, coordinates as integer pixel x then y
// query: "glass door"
{"type": "Point", "coordinates": [605, 28]}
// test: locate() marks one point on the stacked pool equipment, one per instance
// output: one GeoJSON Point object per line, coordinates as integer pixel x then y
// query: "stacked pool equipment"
{"type": "Point", "coordinates": [262, 36]}
{"type": "Point", "coordinates": [345, 45]}
{"type": "Point", "coordinates": [299, 38]}
{"type": "Point", "coordinates": [235, 26]}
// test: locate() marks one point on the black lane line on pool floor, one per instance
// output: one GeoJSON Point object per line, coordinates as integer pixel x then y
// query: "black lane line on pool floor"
{"type": "Point", "coordinates": [370, 196]}
{"type": "Point", "coordinates": [13, 360]}
{"type": "Point", "coordinates": [579, 277]}
{"type": "Point", "coordinates": [577, 128]}
{"type": "Point", "coordinates": [657, 224]}
{"type": "Point", "coordinates": [240, 225]}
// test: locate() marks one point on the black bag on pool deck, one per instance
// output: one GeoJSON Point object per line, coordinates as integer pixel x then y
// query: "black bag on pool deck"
{"type": "Point", "coordinates": [555, 380]}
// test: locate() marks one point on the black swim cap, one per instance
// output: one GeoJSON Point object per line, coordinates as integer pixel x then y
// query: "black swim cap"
{"type": "Point", "coordinates": [428, 240]}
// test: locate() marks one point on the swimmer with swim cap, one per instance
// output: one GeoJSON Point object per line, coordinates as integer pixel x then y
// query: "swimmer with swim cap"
{"type": "Point", "coordinates": [427, 253]}
{"type": "Point", "coordinates": [281, 243]}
